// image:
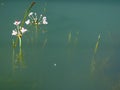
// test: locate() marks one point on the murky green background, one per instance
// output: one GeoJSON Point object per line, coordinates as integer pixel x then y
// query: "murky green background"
{"type": "Point", "coordinates": [60, 56]}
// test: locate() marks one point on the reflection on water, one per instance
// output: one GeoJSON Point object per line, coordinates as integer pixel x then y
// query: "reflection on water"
{"type": "Point", "coordinates": [73, 37]}
{"type": "Point", "coordinates": [18, 59]}
{"type": "Point", "coordinates": [93, 61]}
{"type": "Point", "coordinates": [69, 37]}
{"type": "Point", "coordinates": [45, 42]}
{"type": "Point", "coordinates": [76, 38]}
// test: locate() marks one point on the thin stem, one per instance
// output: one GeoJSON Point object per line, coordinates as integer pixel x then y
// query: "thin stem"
{"type": "Point", "coordinates": [20, 43]}
{"type": "Point", "coordinates": [20, 54]}
{"type": "Point", "coordinates": [36, 26]}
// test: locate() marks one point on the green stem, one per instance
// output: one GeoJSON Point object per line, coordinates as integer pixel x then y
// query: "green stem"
{"type": "Point", "coordinates": [36, 26]}
{"type": "Point", "coordinates": [20, 54]}
{"type": "Point", "coordinates": [20, 42]}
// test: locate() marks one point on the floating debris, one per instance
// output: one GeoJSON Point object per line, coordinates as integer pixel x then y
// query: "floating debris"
{"type": "Point", "coordinates": [55, 64]}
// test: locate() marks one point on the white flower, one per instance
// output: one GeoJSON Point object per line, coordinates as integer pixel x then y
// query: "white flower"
{"type": "Point", "coordinates": [31, 13]}
{"type": "Point", "coordinates": [17, 23]}
{"type": "Point", "coordinates": [35, 20]}
{"type": "Point", "coordinates": [27, 22]}
{"type": "Point", "coordinates": [14, 32]}
{"type": "Point", "coordinates": [44, 20]}
{"type": "Point", "coordinates": [23, 30]}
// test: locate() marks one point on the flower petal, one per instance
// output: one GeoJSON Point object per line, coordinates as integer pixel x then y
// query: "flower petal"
{"type": "Point", "coordinates": [23, 30]}
{"type": "Point", "coordinates": [31, 13]}
{"type": "Point", "coordinates": [14, 32]}
{"type": "Point", "coordinates": [44, 18]}
{"type": "Point", "coordinates": [45, 22]}
{"type": "Point", "coordinates": [27, 22]}
{"type": "Point", "coordinates": [17, 23]}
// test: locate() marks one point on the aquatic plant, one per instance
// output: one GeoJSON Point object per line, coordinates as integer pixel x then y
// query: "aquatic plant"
{"type": "Point", "coordinates": [93, 61]}
{"type": "Point", "coordinates": [35, 21]}
{"type": "Point", "coordinates": [97, 43]}
{"type": "Point", "coordinates": [19, 30]}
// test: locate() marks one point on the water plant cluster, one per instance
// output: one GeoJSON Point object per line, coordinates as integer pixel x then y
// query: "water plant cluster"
{"type": "Point", "coordinates": [30, 18]}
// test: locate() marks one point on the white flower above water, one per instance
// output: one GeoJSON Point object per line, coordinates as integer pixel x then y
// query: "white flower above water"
{"type": "Point", "coordinates": [17, 23]}
{"type": "Point", "coordinates": [27, 22]}
{"type": "Point", "coordinates": [44, 20]}
{"type": "Point", "coordinates": [23, 30]}
{"type": "Point", "coordinates": [14, 32]}
{"type": "Point", "coordinates": [18, 31]}
{"type": "Point", "coordinates": [33, 19]}
{"type": "Point", "coordinates": [31, 13]}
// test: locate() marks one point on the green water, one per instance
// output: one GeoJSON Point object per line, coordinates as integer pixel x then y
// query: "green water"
{"type": "Point", "coordinates": [61, 55]}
